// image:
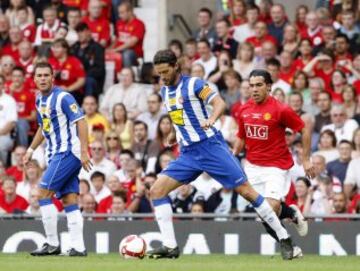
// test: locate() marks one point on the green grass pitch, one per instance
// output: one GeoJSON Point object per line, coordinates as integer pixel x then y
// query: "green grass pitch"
{"type": "Point", "coordinates": [24, 262]}
{"type": "Point", "coordinates": [215, 262]}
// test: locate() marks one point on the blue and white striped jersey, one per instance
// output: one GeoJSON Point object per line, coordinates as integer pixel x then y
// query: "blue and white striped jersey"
{"type": "Point", "coordinates": [186, 106]}
{"type": "Point", "coordinates": [57, 114]}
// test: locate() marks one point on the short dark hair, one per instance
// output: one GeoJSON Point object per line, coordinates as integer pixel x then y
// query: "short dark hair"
{"type": "Point", "coordinates": [43, 65]}
{"type": "Point", "coordinates": [273, 62]}
{"type": "Point", "coordinates": [343, 36]}
{"type": "Point", "coordinates": [74, 9]}
{"type": "Point", "coordinates": [97, 174]}
{"type": "Point", "coordinates": [345, 141]}
{"type": "Point", "coordinates": [305, 180]}
{"type": "Point", "coordinates": [63, 43]}
{"type": "Point", "coordinates": [177, 43]}
{"type": "Point", "coordinates": [203, 40]}
{"type": "Point", "coordinates": [139, 122]}
{"type": "Point", "coordinates": [262, 73]}
{"type": "Point", "coordinates": [252, 7]}
{"type": "Point", "coordinates": [165, 57]}
{"type": "Point", "coordinates": [81, 27]}
{"type": "Point", "coordinates": [224, 20]}
{"type": "Point", "coordinates": [326, 93]}
{"type": "Point", "coordinates": [208, 11]}
{"type": "Point", "coordinates": [20, 69]}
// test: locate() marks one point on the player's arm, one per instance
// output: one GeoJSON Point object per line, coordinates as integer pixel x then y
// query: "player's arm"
{"type": "Point", "coordinates": [38, 138]}
{"type": "Point", "coordinates": [219, 107]}
{"type": "Point", "coordinates": [239, 144]}
{"type": "Point", "coordinates": [82, 129]}
{"type": "Point", "coordinates": [79, 83]}
{"type": "Point", "coordinates": [306, 141]}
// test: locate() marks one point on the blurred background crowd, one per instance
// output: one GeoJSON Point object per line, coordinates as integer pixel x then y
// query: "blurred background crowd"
{"type": "Point", "coordinates": [96, 50]}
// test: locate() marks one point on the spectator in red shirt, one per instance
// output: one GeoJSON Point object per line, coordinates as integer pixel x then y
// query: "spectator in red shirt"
{"type": "Point", "coordinates": [69, 71]}
{"type": "Point", "coordinates": [261, 35]}
{"type": "Point", "coordinates": [302, 185]}
{"type": "Point", "coordinates": [130, 32]}
{"type": "Point", "coordinates": [113, 184]}
{"type": "Point", "coordinates": [305, 56]}
{"type": "Point", "coordinates": [17, 171]}
{"type": "Point", "coordinates": [28, 29]}
{"type": "Point", "coordinates": [9, 201]}
{"type": "Point", "coordinates": [313, 29]}
{"type": "Point", "coordinates": [45, 32]}
{"type": "Point", "coordinates": [12, 48]}
{"type": "Point", "coordinates": [99, 26]}
{"type": "Point", "coordinates": [238, 13]}
{"type": "Point", "coordinates": [25, 102]}
{"type": "Point", "coordinates": [322, 66]}
{"type": "Point", "coordinates": [300, 16]}
{"type": "Point", "coordinates": [7, 65]}
{"type": "Point", "coordinates": [26, 58]}
{"type": "Point", "coordinates": [342, 53]}
{"type": "Point", "coordinates": [287, 69]}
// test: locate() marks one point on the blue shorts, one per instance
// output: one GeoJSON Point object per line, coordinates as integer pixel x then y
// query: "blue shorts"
{"type": "Point", "coordinates": [212, 156]}
{"type": "Point", "coordinates": [61, 176]}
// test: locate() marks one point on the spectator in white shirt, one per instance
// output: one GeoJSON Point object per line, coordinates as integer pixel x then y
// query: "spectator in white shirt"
{"type": "Point", "coordinates": [152, 116]}
{"type": "Point", "coordinates": [33, 175]}
{"type": "Point", "coordinates": [342, 126]}
{"type": "Point", "coordinates": [8, 117]}
{"type": "Point", "coordinates": [100, 163]}
{"type": "Point", "coordinates": [247, 30]}
{"type": "Point", "coordinates": [352, 179]}
{"type": "Point", "coordinates": [207, 59]}
{"type": "Point", "coordinates": [127, 92]}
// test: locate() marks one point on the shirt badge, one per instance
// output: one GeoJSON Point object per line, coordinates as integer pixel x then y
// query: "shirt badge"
{"type": "Point", "coordinates": [267, 116]}
{"type": "Point", "coordinates": [74, 108]}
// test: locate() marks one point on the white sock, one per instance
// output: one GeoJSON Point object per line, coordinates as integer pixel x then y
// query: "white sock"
{"type": "Point", "coordinates": [268, 215]}
{"type": "Point", "coordinates": [164, 214]}
{"type": "Point", "coordinates": [75, 225]}
{"type": "Point", "coordinates": [49, 220]}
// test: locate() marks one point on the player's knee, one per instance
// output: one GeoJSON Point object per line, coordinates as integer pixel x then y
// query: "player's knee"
{"type": "Point", "coordinates": [45, 194]}
{"type": "Point", "coordinates": [246, 192]}
{"type": "Point", "coordinates": [156, 192]}
{"type": "Point", "coordinates": [275, 204]}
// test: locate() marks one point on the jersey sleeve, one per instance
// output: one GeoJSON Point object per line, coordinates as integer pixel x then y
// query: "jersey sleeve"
{"type": "Point", "coordinates": [203, 91]}
{"type": "Point", "coordinates": [291, 120]}
{"type": "Point", "coordinates": [241, 131]}
{"type": "Point", "coordinates": [71, 108]}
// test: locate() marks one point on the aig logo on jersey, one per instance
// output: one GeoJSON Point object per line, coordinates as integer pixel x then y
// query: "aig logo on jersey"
{"type": "Point", "coordinates": [260, 132]}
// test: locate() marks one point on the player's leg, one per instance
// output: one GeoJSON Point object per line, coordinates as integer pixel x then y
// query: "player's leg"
{"type": "Point", "coordinates": [75, 225]}
{"type": "Point", "coordinates": [162, 208]}
{"type": "Point", "coordinates": [69, 194]}
{"type": "Point", "coordinates": [229, 173]}
{"type": "Point", "coordinates": [49, 215]}
{"type": "Point", "coordinates": [180, 171]}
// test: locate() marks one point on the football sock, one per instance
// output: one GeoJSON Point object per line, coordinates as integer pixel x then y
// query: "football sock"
{"type": "Point", "coordinates": [75, 225]}
{"type": "Point", "coordinates": [49, 220]}
{"type": "Point", "coordinates": [286, 211]}
{"type": "Point", "coordinates": [163, 214]}
{"type": "Point", "coordinates": [268, 215]}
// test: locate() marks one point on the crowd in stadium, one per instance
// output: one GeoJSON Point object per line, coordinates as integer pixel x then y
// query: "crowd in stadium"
{"type": "Point", "coordinates": [313, 58]}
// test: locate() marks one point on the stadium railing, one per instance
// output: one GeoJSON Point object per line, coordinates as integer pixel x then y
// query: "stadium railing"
{"type": "Point", "coordinates": [206, 216]}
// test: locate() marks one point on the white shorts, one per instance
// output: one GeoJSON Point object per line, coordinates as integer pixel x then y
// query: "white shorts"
{"type": "Point", "coordinates": [270, 182]}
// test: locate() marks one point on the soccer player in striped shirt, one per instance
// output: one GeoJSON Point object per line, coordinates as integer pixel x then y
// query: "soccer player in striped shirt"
{"type": "Point", "coordinates": [203, 148]}
{"type": "Point", "coordinates": [62, 125]}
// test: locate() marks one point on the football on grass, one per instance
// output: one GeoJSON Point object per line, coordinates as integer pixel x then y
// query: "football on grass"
{"type": "Point", "coordinates": [132, 247]}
